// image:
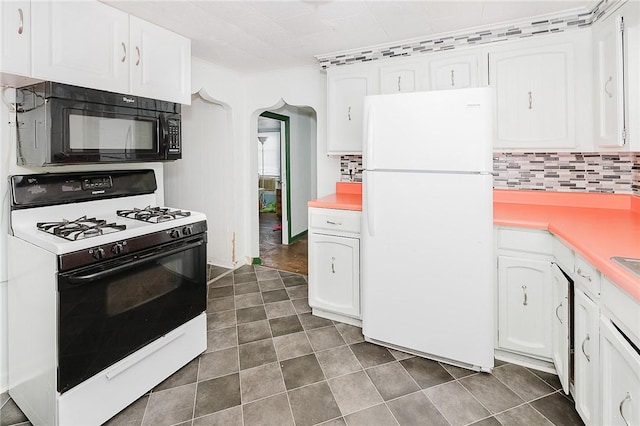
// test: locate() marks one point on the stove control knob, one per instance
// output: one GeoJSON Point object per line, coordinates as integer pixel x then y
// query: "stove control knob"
{"type": "Point", "coordinates": [97, 253]}
{"type": "Point", "coordinates": [187, 230]}
{"type": "Point", "coordinates": [117, 248]}
{"type": "Point", "coordinates": [174, 233]}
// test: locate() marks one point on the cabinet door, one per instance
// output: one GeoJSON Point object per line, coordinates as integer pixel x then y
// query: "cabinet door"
{"type": "Point", "coordinates": [454, 73]}
{"type": "Point", "coordinates": [609, 90]}
{"type": "Point", "coordinates": [160, 63]}
{"type": "Point", "coordinates": [534, 97]}
{"type": "Point", "coordinates": [400, 78]}
{"type": "Point", "coordinates": [560, 325]}
{"type": "Point", "coordinates": [81, 43]}
{"type": "Point", "coordinates": [524, 305]}
{"type": "Point", "coordinates": [345, 103]}
{"type": "Point", "coordinates": [620, 375]}
{"type": "Point", "coordinates": [334, 274]}
{"type": "Point", "coordinates": [586, 357]}
{"type": "Point", "coordinates": [16, 37]}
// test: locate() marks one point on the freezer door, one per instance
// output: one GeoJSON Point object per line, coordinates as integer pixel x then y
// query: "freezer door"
{"type": "Point", "coordinates": [443, 130]}
{"type": "Point", "coordinates": [427, 264]}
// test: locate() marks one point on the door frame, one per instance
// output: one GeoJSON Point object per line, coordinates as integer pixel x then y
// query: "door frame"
{"type": "Point", "coordinates": [287, 173]}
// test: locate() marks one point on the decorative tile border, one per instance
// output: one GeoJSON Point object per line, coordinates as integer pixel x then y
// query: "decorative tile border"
{"type": "Point", "coordinates": [565, 171]}
{"type": "Point", "coordinates": [617, 173]}
{"type": "Point", "coordinates": [520, 29]}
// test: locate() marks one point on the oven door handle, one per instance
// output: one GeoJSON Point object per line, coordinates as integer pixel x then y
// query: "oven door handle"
{"type": "Point", "coordinates": [83, 279]}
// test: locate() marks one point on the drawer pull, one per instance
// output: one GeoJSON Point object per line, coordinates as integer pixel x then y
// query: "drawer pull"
{"type": "Point", "coordinates": [524, 291]}
{"type": "Point", "coordinates": [399, 87]}
{"type": "Point", "coordinates": [333, 266]}
{"type": "Point", "coordinates": [558, 316]}
{"type": "Point", "coordinates": [530, 101]}
{"type": "Point", "coordinates": [587, 277]}
{"type": "Point", "coordinates": [349, 113]}
{"type": "Point", "coordinates": [626, 398]}
{"type": "Point", "coordinates": [586, 339]}
{"type": "Point", "coordinates": [330, 222]}
{"type": "Point", "coordinates": [453, 81]}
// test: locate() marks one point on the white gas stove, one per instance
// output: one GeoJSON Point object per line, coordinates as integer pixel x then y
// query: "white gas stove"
{"type": "Point", "coordinates": [109, 287]}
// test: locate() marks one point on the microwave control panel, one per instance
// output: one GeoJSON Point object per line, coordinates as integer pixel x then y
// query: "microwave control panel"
{"type": "Point", "coordinates": [173, 127]}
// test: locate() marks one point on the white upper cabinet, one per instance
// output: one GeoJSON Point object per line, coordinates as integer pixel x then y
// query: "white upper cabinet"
{"type": "Point", "coordinates": [15, 37]}
{"type": "Point", "coordinates": [408, 76]}
{"type": "Point", "coordinates": [160, 62]}
{"type": "Point", "coordinates": [616, 47]}
{"type": "Point", "coordinates": [543, 93]}
{"type": "Point", "coordinates": [534, 97]}
{"type": "Point", "coordinates": [346, 92]}
{"type": "Point", "coordinates": [457, 72]}
{"type": "Point", "coordinates": [81, 43]}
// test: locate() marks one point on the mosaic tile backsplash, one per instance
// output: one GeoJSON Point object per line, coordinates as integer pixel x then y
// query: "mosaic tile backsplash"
{"type": "Point", "coordinates": [614, 173]}
{"type": "Point", "coordinates": [555, 24]}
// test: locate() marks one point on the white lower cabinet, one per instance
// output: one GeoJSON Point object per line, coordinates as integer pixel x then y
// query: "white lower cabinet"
{"type": "Point", "coordinates": [620, 375]}
{"type": "Point", "coordinates": [586, 343]}
{"type": "Point", "coordinates": [560, 325]}
{"type": "Point", "coordinates": [334, 264]}
{"type": "Point", "coordinates": [523, 300]}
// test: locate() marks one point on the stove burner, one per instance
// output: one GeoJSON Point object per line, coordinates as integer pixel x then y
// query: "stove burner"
{"type": "Point", "coordinates": [80, 228]}
{"type": "Point", "coordinates": [153, 214]}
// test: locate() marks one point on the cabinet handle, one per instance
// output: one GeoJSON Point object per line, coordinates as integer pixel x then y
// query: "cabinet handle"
{"type": "Point", "coordinates": [626, 398]}
{"type": "Point", "coordinates": [530, 101]}
{"type": "Point", "coordinates": [124, 52]}
{"type": "Point", "coordinates": [524, 291]}
{"type": "Point", "coordinates": [330, 222]}
{"type": "Point", "coordinates": [586, 339]}
{"type": "Point", "coordinates": [606, 87]}
{"type": "Point", "coordinates": [333, 267]}
{"type": "Point", "coordinates": [558, 316]}
{"type": "Point", "coordinates": [587, 277]}
{"type": "Point", "coordinates": [399, 88]}
{"type": "Point", "coordinates": [138, 52]}
{"type": "Point", "coordinates": [453, 82]}
{"type": "Point", "coordinates": [21, 24]}
{"type": "Point", "coordinates": [349, 113]}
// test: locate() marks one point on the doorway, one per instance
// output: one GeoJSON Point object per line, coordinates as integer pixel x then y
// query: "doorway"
{"type": "Point", "coordinates": [286, 149]}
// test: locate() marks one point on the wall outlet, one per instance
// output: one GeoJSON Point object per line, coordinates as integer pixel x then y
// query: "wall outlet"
{"type": "Point", "coordinates": [352, 167]}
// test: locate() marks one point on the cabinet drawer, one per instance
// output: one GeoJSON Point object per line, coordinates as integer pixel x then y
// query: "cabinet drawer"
{"type": "Point", "coordinates": [624, 310]}
{"type": "Point", "coordinates": [334, 220]}
{"type": "Point", "coordinates": [564, 256]}
{"type": "Point", "coordinates": [587, 276]}
{"type": "Point", "coordinates": [531, 241]}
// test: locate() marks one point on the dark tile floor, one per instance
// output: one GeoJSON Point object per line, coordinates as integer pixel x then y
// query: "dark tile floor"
{"type": "Point", "coordinates": [270, 362]}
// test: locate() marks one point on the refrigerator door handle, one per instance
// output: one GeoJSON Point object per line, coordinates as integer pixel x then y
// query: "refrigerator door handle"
{"type": "Point", "coordinates": [367, 207]}
{"type": "Point", "coordinates": [368, 163]}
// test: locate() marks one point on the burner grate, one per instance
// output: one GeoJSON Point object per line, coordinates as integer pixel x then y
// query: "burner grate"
{"type": "Point", "coordinates": [80, 228]}
{"type": "Point", "coordinates": [153, 214]}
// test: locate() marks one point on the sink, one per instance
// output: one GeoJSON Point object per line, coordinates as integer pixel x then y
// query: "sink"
{"type": "Point", "coordinates": [630, 264]}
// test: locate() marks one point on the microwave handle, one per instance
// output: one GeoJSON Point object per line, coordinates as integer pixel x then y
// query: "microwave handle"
{"type": "Point", "coordinates": [164, 134]}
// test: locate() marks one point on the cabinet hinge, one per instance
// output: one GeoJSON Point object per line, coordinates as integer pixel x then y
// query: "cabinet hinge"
{"type": "Point", "coordinates": [621, 23]}
{"type": "Point", "coordinates": [624, 136]}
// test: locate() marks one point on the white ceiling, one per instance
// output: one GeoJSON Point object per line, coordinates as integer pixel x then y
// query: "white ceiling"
{"type": "Point", "coordinates": [254, 36]}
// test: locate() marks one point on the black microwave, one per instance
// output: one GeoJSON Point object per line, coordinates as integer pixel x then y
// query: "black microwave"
{"type": "Point", "coordinates": [63, 124]}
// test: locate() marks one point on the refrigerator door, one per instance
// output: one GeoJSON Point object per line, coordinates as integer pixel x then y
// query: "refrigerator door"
{"type": "Point", "coordinates": [442, 130]}
{"type": "Point", "coordinates": [427, 264]}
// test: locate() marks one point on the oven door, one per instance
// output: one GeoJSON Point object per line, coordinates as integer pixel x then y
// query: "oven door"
{"type": "Point", "coordinates": [85, 132]}
{"type": "Point", "coordinates": [110, 310]}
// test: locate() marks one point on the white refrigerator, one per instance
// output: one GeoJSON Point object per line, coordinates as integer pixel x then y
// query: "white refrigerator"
{"type": "Point", "coordinates": [427, 230]}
